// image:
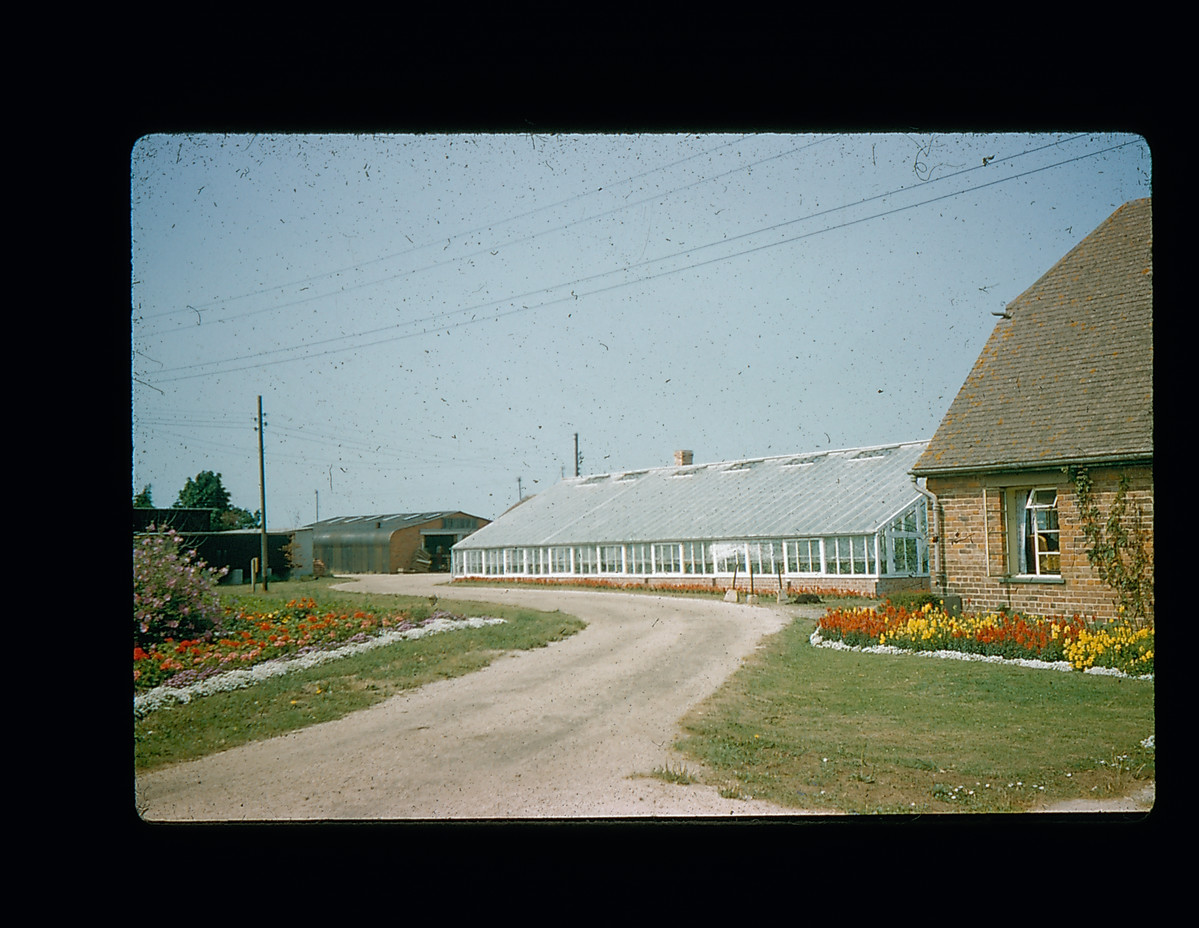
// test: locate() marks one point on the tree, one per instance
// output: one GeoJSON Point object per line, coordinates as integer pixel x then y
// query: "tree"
{"type": "Point", "coordinates": [142, 500]}
{"type": "Point", "coordinates": [207, 492]}
{"type": "Point", "coordinates": [204, 492]}
{"type": "Point", "coordinates": [238, 518]}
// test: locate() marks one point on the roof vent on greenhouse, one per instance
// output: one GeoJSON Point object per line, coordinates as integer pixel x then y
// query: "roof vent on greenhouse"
{"type": "Point", "coordinates": [631, 476]}
{"type": "Point", "coordinates": [740, 466]}
{"type": "Point", "coordinates": [592, 481]}
{"type": "Point", "coordinates": [871, 454]}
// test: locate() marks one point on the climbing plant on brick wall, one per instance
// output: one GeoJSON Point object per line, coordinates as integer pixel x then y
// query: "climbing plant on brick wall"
{"type": "Point", "coordinates": [1118, 546]}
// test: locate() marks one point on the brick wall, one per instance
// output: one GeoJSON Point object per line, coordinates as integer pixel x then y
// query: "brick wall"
{"type": "Point", "coordinates": [972, 545]}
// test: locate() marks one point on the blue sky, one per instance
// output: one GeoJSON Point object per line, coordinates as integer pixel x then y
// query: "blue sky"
{"type": "Point", "coordinates": [430, 319]}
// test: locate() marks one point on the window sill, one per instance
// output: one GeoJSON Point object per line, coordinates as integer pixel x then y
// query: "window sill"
{"type": "Point", "coordinates": [1032, 578]}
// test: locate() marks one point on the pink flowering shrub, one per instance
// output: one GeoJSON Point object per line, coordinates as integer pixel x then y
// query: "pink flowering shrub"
{"type": "Point", "coordinates": [173, 591]}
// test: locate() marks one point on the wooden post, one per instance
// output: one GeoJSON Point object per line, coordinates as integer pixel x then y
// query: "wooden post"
{"type": "Point", "coordinates": [262, 491]}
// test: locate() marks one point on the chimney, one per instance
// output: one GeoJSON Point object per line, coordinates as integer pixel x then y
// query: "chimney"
{"type": "Point", "coordinates": [682, 458]}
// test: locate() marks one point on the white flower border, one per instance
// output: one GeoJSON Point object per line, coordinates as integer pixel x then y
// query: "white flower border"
{"type": "Point", "coordinates": [818, 642]}
{"type": "Point", "coordinates": [161, 696]}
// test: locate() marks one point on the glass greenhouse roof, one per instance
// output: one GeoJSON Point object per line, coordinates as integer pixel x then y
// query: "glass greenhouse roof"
{"type": "Point", "coordinates": [849, 491]}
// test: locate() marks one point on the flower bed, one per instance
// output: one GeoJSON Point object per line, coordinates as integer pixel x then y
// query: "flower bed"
{"type": "Point", "coordinates": [1065, 643]}
{"type": "Point", "coordinates": [182, 689]}
{"type": "Point", "coordinates": [248, 639]}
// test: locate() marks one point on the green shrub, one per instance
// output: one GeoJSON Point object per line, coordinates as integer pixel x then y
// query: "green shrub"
{"type": "Point", "coordinates": [173, 591]}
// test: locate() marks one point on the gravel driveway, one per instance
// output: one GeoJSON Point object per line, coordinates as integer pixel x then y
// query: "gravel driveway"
{"type": "Point", "coordinates": [558, 732]}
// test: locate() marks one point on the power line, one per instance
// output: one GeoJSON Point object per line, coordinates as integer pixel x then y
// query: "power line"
{"type": "Point", "coordinates": [443, 325]}
{"type": "Point", "coordinates": [210, 304]}
{"type": "Point", "coordinates": [530, 293]}
{"type": "Point", "coordinates": [485, 250]}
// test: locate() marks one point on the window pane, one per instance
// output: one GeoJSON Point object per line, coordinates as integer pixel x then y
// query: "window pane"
{"type": "Point", "coordinates": [729, 557]}
{"type": "Point", "coordinates": [666, 559]}
{"type": "Point", "coordinates": [1041, 533]}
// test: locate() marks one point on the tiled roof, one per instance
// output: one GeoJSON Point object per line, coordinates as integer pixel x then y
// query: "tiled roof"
{"type": "Point", "coordinates": [850, 491]}
{"type": "Point", "coordinates": [1068, 378]}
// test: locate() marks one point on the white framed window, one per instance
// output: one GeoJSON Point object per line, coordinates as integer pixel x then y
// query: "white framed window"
{"type": "Point", "coordinates": [666, 559]}
{"type": "Point", "coordinates": [803, 556]}
{"type": "Point", "coordinates": [1041, 548]}
{"type": "Point", "coordinates": [640, 560]}
{"type": "Point", "coordinates": [729, 557]}
{"type": "Point", "coordinates": [1028, 532]}
{"type": "Point", "coordinates": [903, 545]}
{"type": "Point", "coordinates": [559, 560]}
{"type": "Point", "coordinates": [766, 557]}
{"type": "Point", "coordinates": [849, 554]}
{"type": "Point", "coordinates": [585, 562]}
{"type": "Point", "coordinates": [697, 558]}
{"type": "Point", "coordinates": [611, 560]}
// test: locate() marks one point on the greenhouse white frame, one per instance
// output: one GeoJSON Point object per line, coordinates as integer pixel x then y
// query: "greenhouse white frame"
{"type": "Point", "coordinates": [851, 514]}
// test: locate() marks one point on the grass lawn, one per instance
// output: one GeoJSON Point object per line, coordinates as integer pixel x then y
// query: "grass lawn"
{"type": "Point", "coordinates": [335, 689]}
{"type": "Point", "coordinates": [841, 731]}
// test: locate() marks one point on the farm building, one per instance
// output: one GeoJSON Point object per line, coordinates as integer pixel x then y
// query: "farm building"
{"type": "Point", "coordinates": [1065, 383]}
{"type": "Point", "coordinates": [388, 544]}
{"type": "Point", "coordinates": [851, 519]}
{"type": "Point", "coordinates": [289, 551]}
{"type": "Point", "coordinates": [181, 520]}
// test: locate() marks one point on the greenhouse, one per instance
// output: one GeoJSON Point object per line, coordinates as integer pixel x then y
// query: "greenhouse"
{"type": "Point", "coordinates": [852, 519]}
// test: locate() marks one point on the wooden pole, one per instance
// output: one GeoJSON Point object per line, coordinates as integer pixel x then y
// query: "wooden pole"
{"type": "Point", "coordinates": [262, 496]}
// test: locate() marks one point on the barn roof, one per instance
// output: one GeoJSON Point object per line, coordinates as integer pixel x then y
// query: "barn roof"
{"type": "Point", "coordinates": [1068, 378]}
{"type": "Point", "coordinates": [368, 527]}
{"type": "Point", "coordinates": [849, 491]}
{"type": "Point", "coordinates": [388, 523]}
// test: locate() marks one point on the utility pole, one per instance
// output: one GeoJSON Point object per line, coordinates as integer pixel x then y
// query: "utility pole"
{"type": "Point", "coordinates": [519, 492]}
{"type": "Point", "coordinates": [576, 454]}
{"type": "Point", "coordinates": [318, 505]}
{"type": "Point", "coordinates": [262, 491]}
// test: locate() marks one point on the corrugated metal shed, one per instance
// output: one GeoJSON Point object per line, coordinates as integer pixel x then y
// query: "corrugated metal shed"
{"type": "Point", "coordinates": [390, 542]}
{"type": "Point", "coordinates": [849, 491]}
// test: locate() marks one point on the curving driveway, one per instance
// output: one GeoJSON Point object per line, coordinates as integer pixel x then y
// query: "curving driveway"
{"type": "Point", "coordinates": [556, 732]}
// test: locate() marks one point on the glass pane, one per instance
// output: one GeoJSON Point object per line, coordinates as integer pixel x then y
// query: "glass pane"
{"type": "Point", "coordinates": [859, 554]}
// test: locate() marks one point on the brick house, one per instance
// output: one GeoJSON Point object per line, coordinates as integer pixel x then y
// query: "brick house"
{"type": "Point", "coordinates": [1064, 381]}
